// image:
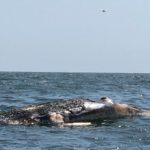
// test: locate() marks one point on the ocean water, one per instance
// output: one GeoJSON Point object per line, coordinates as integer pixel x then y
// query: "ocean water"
{"type": "Point", "coordinates": [19, 89]}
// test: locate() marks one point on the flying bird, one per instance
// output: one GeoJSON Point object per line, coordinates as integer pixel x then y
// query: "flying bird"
{"type": "Point", "coordinates": [103, 10]}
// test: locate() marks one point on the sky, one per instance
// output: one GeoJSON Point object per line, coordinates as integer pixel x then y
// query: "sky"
{"type": "Point", "coordinates": [75, 36]}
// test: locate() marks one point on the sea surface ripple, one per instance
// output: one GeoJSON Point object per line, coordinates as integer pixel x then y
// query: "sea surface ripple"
{"type": "Point", "coordinates": [19, 89]}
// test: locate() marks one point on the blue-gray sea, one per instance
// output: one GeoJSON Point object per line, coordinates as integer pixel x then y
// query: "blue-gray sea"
{"type": "Point", "coordinates": [19, 89]}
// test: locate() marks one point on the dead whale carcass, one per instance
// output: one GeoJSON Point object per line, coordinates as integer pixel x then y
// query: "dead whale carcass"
{"type": "Point", "coordinates": [69, 112]}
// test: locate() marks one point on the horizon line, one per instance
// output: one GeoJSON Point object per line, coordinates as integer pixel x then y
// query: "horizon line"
{"type": "Point", "coordinates": [75, 72]}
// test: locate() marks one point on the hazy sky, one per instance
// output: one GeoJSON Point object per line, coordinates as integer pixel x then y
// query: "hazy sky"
{"type": "Point", "coordinates": [75, 35]}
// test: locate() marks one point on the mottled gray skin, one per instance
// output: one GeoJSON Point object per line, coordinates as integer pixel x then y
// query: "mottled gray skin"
{"type": "Point", "coordinates": [39, 113]}
{"type": "Point", "coordinates": [68, 111]}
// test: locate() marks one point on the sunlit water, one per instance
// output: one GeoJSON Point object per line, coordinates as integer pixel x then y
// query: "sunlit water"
{"type": "Point", "coordinates": [19, 89]}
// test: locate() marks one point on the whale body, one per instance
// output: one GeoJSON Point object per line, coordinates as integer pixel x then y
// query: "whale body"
{"type": "Point", "coordinates": [70, 112]}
